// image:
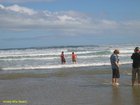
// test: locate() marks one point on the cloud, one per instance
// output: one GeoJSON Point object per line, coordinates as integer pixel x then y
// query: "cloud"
{"type": "Point", "coordinates": [131, 24]}
{"type": "Point", "coordinates": [18, 9]}
{"type": "Point", "coordinates": [16, 17]}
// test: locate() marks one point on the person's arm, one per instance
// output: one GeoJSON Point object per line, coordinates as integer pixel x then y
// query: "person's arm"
{"type": "Point", "coordinates": [116, 62]}
{"type": "Point", "coordinates": [132, 56]}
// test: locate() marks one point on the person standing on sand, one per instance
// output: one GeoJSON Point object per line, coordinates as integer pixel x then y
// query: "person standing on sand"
{"type": "Point", "coordinates": [114, 59]}
{"type": "Point", "coordinates": [74, 58]}
{"type": "Point", "coordinates": [136, 65]}
{"type": "Point", "coordinates": [62, 56]}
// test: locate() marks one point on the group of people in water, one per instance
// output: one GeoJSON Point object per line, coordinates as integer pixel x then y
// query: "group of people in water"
{"type": "Point", "coordinates": [114, 59]}
{"type": "Point", "coordinates": [73, 56]}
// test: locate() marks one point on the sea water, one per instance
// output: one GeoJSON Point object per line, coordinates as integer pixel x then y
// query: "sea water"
{"type": "Point", "coordinates": [49, 57]}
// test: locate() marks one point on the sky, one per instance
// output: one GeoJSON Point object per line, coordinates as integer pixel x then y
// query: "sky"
{"type": "Point", "coordinates": [42, 23]}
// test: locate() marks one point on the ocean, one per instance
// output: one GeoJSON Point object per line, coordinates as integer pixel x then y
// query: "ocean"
{"type": "Point", "coordinates": [49, 57]}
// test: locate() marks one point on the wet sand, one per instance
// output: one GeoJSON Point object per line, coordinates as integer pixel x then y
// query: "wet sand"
{"type": "Point", "coordinates": [67, 87]}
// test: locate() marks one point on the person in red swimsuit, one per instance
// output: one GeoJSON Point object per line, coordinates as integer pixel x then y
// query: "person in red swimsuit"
{"type": "Point", "coordinates": [74, 58]}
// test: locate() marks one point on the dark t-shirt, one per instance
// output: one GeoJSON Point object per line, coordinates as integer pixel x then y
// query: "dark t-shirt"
{"type": "Point", "coordinates": [136, 60]}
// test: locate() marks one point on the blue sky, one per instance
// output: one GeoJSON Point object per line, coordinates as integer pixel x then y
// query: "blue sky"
{"type": "Point", "coordinates": [36, 23]}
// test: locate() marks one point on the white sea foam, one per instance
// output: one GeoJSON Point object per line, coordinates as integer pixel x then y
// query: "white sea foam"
{"type": "Point", "coordinates": [55, 66]}
{"type": "Point", "coordinates": [59, 66]}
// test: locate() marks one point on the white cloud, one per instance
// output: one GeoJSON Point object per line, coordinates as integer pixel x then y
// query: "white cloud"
{"type": "Point", "coordinates": [19, 9]}
{"type": "Point", "coordinates": [28, 18]}
{"type": "Point", "coordinates": [131, 24]}
{"type": "Point", "coordinates": [16, 17]}
{"type": "Point", "coordinates": [65, 18]}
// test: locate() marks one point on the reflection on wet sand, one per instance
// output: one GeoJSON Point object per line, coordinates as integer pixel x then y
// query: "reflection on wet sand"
{"type": "Point", "coordinates": [136, 95]}
{"type": "Point", "coordinates": [125, 95]}
{"type": "Point", "coordinates": [116, 96]}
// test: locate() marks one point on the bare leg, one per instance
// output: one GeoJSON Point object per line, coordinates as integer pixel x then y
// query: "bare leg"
{"type": "Point", "coordinates": [113, 81]}
{"type": "Point", "coordinates": [117, 81]}
{"type": "Point", "coordinates": [138, 76]}
{"type": "Point", "coordinates": [133, 82]}
{"type": "Point", "coordinates": [133, 76]}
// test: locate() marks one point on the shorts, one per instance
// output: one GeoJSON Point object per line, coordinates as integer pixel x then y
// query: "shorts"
{"type": "Point", "coordinates": [134, 72]}
{"type": "Point", "coordinates": [63, 60]}
{"type": "Point", "coordinates": [73, 60]}
{"type": "Point", "coordinates": [115, 73]}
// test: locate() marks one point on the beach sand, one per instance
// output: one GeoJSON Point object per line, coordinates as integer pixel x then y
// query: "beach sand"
{"type": "Point", "coordinates": [73, 86]}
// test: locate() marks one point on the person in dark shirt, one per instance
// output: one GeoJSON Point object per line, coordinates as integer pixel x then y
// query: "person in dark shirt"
{"type": "Point", "coordinates": [136, 65]}
{"type": "Point", "coordinates": [62, 56]}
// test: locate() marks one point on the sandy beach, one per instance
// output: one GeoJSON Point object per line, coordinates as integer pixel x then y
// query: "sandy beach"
{"type": "Point", "coordinates": [73, 86]}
